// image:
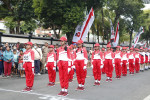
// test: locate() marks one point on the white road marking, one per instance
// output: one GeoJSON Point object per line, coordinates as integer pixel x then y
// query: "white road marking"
{"type": "Point", "coordinates": [147, 98]}
{"type": "Point", "coordinates": [42, 96]}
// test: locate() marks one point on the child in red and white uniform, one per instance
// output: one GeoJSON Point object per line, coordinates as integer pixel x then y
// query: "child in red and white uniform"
{"type": "Point", "coordinates": [64, 65]}
{"type": "Point", "coordinates": [103, 69]}
{"type": "Point", "coordinates": [80, 64]}
{"type": "Point", "coordinates": [131, 56]}
{"type": "Point", "coordinates": [97, 64]}
{"type": "Point", "coordinates": [117, 59]}
{"type": "Point", "coordinates": [124, 60]}
{"type": "Point", "coordinates": [51, 66]}
{"type": "Point", "coordinates": [137, 60]}
{"type": "Point", "coordinates": [71, 73]}
{"type": "Point", "coordinates": [146, 58]}
{"type": "Point", "coordinates": [109, 63]}
{"type": "Point", "coordinates": [142, 59]}
{"type": "Point", "coordinates": [28, 64]}
{"type": "Point", "coordinates": [149, 59]}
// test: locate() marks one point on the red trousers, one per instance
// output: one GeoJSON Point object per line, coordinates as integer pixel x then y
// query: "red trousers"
{"type": "Point", "coordinates": [63, 74]}
{"type": "Point", "coordinates": [137, 65]}
{"type": "Point", "coordinates": [124, 67]}
{"type": "Point", "coordinates": [97, 69]}
{"type": "Point", "coordinates": [71, 73]}
{"type": "Point", "coordinates": [103, 69]}
{"type": "Point", "coordinates": [7, 68]}
{"type": "Point", "coordinates": [80, 72]}
{"type": "Point", "coordinates": [108, 67]}
{"type": "Point", "coordinates": [51, 72]}
{"type": "Point", "coordinates": [131, 65]}
{"type": "Point", "coordinates": [29, 74]}
{"type": "Point", "coordinates": [118, 67]}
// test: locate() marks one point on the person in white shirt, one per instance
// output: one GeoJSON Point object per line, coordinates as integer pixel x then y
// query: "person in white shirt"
{"type": "Point", "coordinates": [37, 58]}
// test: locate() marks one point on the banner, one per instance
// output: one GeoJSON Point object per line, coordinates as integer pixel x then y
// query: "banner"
{"type": "Point", "coordinates": [112, 32]}
{"type": "Point", "coordinates": [82, 30]}
{"type": "Point", "coordinates": [116, 40]}
{"type": "Point", "coordinates": [137, 36]}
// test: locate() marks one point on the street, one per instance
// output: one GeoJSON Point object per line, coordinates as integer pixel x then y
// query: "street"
{"type": "Point", "coordinates": [131, 87]}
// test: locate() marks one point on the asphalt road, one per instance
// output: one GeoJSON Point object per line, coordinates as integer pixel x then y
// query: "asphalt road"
{"type": "Point", "coordinates": [136, 87]}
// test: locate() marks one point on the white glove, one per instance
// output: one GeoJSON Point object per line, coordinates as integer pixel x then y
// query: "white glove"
{"type": "Point", "coordinates": [69, 69]}
{"type": "Point", "coordinates": [121, 64]}
{"type": "Point", "coordinates": [54, 63]}
{"type": "Point", "coordinates": [102, 66]}
{"type": "Point", "coordinates": [32, 64]}
{"type": "Point", "coordinates": [85, 61]}
{"type": "Point", "coordinates": [46, 68]}
{"type": "Point", "coordinates": [113, 65]}
{"type": "Point", "coordinates": [69, 63]}
{"type": "Point", "coordinates": [84, 67]}
{"type": "Point", "coordinates": [92, 66]}
{"type": "Point", "coordinates": [127, 63]}
{"type": "Point", "coordinates": [54, 68]}
{"type": "Point", "coordinates": [73, 67]}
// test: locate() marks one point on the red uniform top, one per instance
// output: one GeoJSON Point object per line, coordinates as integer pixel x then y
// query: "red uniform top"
{"type": "Point", "coordinates": [109, 55]}
{"type": "Point", "coordinates": [81, 54]}
{"type": "Point", "coordinates": [117, 55]}
{"type": "Point", "coordinates": [131, 55]}
{"type": "Point", "coordinates": [29, 56]}
{"type": "Point", "coordinates": [51, 57]}
{"type": "Point", "coordinates": [97, 55]}
{"type": "Point", "coordinates": [124, 56]}
{"type": "Point", "coordinates": [137, 56]}
{"type": "Point", "coordinates": [142, 57]}
{"type": "Point", "coordinates": [146, 57]}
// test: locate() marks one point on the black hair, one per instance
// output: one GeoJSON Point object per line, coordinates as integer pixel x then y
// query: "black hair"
{"type": "Point", "coordinates": [65, 48]}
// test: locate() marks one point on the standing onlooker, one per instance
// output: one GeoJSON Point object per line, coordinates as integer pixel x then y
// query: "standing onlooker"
{"type": "Point", "coordinates": [4, 48]}
{"type": "Point", "coordinates": [37, 58]}
{"type": "Point", "coordinates": [45, 51]}
{"type": "Point", "coordinates": [1, 61]}
{"type": "Point", "coordinates": [18, 45]}
{"type": "Point", "coordinates": [8, 57]}
{"type": "Point", "coordinates": [20, 64]}
{"type": "Point", "coordinates": [22, 47]}
{"type": "Point", "coordinates": [15, 65]}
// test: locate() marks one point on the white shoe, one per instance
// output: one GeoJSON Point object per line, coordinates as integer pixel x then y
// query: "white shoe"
{"type": "Point", "coordinates": [38, 74]}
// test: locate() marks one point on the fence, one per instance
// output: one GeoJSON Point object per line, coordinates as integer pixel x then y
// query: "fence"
{"type": "Point", "coordinates": [13, 39]}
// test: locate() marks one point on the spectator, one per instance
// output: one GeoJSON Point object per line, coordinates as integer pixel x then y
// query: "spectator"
{"type": "Point", "coordinates": [1, 61]}
{"type": "Point", "coordinates": [20, 64]}
{"type": "Point", "coordinates": [45, 51]}
{"type": "Point", "coordinates": [4, 48]}
{"type": "Point", "coordinates": [37, 58]}
{"type": "Point", "coordinates": [17, 45]}
{"type": "Point", "coordinates": [15, 64]}
{"type": "Point", "coordinates": [8, 57]}
{"type": "Point", "coordinates": [22, 47]}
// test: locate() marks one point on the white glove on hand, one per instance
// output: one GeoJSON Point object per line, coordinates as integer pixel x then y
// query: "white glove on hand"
{"type": "Point", "coordinates": [113, 65]}
{"type": "Point", "coordinates": [84, 67]}
{"type": "Point", "coordinates": [69, 69]}
{"type": "Point", "coordinates": [32, 64]}
{"type": "Point", "coordinates": [92, 66]}
{"type": "Point", "coordinates": [69, 63]}
{"type": "Point", "coordinates": [102, 66]}
{"type": "Point", "coordinates": [73, 67]}
{"type": "Point", "coordinates": [46, 68]}
{"type": "Point", "coordinates": [54, 68]}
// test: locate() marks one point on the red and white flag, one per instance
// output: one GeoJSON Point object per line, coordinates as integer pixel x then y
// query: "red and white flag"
{"type": "Point", "coordinates": [116, 40]}
{"type": "Point", "coordinates": [82, 30]}
{"type": "Point", "coordinates": [137, 36]}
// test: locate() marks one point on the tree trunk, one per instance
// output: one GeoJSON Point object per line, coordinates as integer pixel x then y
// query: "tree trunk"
{"type": "Point", "coordinates": [116, 18]}
{"type": "Point", "coordinates": [131, 32]}
{"type": "Point", "coordinates": [102, 23]}
{"type": "Point", "coordinates": [98, 32]}
{"type": "Point", "coordinates": [18, 27]}
{"type": "Point", "coordinates": [69, 37]}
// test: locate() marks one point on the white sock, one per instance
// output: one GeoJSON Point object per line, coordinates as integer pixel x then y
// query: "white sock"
{"type": "Point", "coordinates": [96, 81]}
{"type": "Point", "coordinates": [80, 85]}
{"type": "Point", "coordinates": [65, 90]}
{"type": "Point", "coordinates": [99, 81]}
{"type": "Point", "coordinates": [108, 78]}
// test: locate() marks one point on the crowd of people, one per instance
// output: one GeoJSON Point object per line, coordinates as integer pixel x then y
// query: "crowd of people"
{"type": "Point", "coordinates": [32, 60]}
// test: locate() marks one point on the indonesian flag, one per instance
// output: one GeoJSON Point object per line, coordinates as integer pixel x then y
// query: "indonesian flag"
{"type": "Point", "coordinates": [116, 40]}
{"type": "Point", "coordinates": [137, 36]}
{"type": "Point", "coordinates": [82, 30]}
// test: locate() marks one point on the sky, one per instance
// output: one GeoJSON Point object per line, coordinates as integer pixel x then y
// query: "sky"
{"type": "Point", "coordinates": [147, 7]}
